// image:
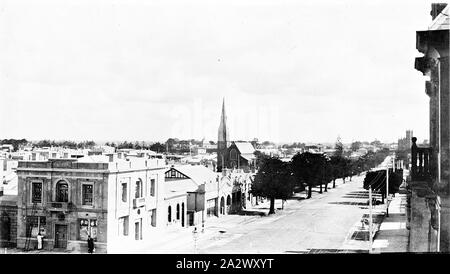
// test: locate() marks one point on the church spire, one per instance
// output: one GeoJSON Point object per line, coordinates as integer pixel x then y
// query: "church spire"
{"type": "Point", "coordinates": [222, 140]}
{"type": "Point", "coordinates": [223, 128]}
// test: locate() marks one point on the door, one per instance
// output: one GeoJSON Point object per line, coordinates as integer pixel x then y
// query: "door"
{"type": "Point", "coordinates": [60, 236]}
{"type": "Point", "coordinates": [191, 218]}
{"type": "Point", "coordinates": [4, 229]}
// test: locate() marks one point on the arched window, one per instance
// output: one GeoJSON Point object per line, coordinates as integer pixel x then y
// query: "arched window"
{"type": "Point", "coordinates": [62, 192]}
{"type": "Point", "coordinates": [182, 214]}
{"type": "Point", "coordinates": [169, 214]}
{"type": "Point", "coordinates": [178, 211]}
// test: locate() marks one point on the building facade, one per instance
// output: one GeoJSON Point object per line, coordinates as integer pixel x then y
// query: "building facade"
{"type": "Point", "coordinates": [429, 185]}
{"type": "Point", "coordinates": [113, 200]}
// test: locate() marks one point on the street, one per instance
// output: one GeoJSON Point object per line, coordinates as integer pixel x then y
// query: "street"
{"type": "Point", "coordinates": [325, 222]}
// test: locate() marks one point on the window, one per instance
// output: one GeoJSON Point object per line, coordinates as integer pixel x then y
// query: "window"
{"type": "Point", "coordinates": [87, 194]}
{"type": "Point", "coordinates": [169, 214]}
{"type": "Point", "coordinates": [62, 192]}
{"type": "Point", "coordinates": [138, 189]}
{"type": "Point", "coordinates": [153, 217]}
{"type": "Point", "coordinates": [152, 187]}
{"type": "Point", "coordinates": [124, 192]}
{"type": "Point", "coordinates": [178, 211]}
{"type": "Point", "coordinates": [233, 154]}
{"type": "Point", "coordinates": [88, 227]}
{"type": "Point", "coordinates": [36, 193]}
{"type": "Point", "coordinates": [123, 226]}
{"type": "Point", "coordinates": [172, 173]}
{"type": "Point", "coordinates": [35, 224]}
{"type": "Point", "coordinates": [138, 230]}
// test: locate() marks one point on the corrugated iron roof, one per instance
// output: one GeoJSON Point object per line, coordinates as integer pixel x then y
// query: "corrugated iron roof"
{"type": "Point", "coordinates": [245, 147]}
{"type": "Point", "coordinates": [199, 174]}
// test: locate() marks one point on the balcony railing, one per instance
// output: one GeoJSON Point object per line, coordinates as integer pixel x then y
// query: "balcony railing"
{"type": "Point", "coordinates": [421, 162]}
{"type": "Point", "coordinates": [138, 202]}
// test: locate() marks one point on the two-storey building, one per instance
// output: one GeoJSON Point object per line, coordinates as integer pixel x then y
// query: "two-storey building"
{"type": "Point", "coordinates": [114, 200]}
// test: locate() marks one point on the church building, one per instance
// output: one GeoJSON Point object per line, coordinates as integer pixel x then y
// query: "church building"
{"type": "Point", "coordinates": [232, 154]}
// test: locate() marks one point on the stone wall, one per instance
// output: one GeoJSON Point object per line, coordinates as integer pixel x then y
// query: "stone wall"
{"type": "Point", "coordinates": [8, 224]}
{"type": "Point", "coordinates": [421, 212]}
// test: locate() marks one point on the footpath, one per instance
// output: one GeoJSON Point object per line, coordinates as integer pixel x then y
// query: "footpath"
{"type": "Point", "coordinates": [392, 235]}
{"type": "Point", "coordinates": [390, 232]}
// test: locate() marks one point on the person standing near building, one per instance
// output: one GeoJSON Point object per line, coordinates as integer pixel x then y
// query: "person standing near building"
{"type": "Point", "coordinates": [90, 243]}
{"type": "Point", "coordinates": [39, 241]}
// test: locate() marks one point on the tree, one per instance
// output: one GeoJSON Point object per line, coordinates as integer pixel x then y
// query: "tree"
{"type": "Point", "coordinates": [345, 168]}
{"type": "Point", "coordinates": [260, 157]}
{"type": "Point", "coordinates": [335, 167]}
{"type": "Point", "coordinates": [308, 169]}
{"type": "Point", "coordinates": [327, 174]}
{"type": "Point", "coordinates": [273, 180]}
{"type": "Point", "coordinates": [339, 148]}
{"type": "Point", "coordinates": [377, 180]}
{"type": "Point", "coordinates": [355, 145]}
{"type": "Point", "coordinates": [16, 143]}
{"type": "Point", "coordinates": [158, 147]}
{"type": "Point", "coordinates": [376, 143]}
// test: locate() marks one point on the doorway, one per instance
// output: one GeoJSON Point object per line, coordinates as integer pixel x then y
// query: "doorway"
{"type": "Point", "coordinates": [60, 236]}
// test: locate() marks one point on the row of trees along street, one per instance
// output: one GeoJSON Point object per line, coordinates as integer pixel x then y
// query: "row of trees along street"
{"type": "Point", "coordinates": [276, 179]}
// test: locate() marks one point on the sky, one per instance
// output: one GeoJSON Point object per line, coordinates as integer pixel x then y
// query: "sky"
{"type": "Point", "coordinates": [289, 71]}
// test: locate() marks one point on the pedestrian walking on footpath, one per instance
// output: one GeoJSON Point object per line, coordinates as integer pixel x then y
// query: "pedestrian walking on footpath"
{"type": "Point", "coordinates": [39, 241]}
{"type": "Point", "coordinates": [90, 243]}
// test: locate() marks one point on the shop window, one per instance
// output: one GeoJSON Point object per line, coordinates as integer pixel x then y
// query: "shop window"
{"type": "Point", "coordinates": [35, 224]}
{"type": "Point", "coordinates": [88, 227]}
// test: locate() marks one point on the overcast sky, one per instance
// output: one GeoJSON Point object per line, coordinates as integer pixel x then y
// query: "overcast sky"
{"type": "Point", "coordinates": [306, 71]}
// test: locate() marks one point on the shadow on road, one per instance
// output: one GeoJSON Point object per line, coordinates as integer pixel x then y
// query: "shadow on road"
{"type": "Point", "coordinates": [253, 212]}
{"type": "Point", "coordinates": [349, 203]}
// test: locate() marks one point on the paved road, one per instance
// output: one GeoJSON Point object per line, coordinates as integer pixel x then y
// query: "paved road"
{"type": "Point", "coordinates": [323, 222]}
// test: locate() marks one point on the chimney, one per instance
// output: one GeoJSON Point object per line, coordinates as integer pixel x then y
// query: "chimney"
{"type": "Point", "coordinates": [436, 9]}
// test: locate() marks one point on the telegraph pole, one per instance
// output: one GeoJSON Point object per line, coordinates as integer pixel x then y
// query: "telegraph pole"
{"type": "Point", "coordinates": [438, 205]}
{"type": "Point", "coordinates": [387, 191]}
{"type": "Point", "coordinates": [370, 220]}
